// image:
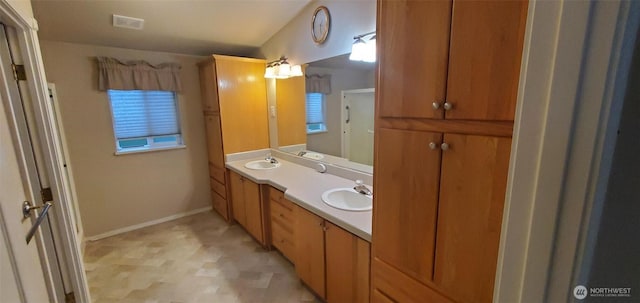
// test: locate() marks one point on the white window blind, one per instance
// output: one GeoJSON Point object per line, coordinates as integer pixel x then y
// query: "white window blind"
{"type": "Point", "coordinates": [315, 113]}
{"type": "Point", "coordinates": [139, 113]}
{"type": "Point", "coordinates": [144, 119]}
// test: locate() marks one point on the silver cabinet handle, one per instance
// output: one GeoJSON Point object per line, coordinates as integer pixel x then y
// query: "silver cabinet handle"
{"type": "Point", "coordinates": [432, 145]}
{"type": "Point", "coordinates": [444, 146]}
{"type": "Point", "coordinates": [436, 105]}
{"type": "Point", "coordinates": [448, 106]}
{"type": "Point", "coordinates": [34, 228]}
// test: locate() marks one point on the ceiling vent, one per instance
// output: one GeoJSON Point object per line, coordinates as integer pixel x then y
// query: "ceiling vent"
{"type": "Point", "coordinates": [128, 22]}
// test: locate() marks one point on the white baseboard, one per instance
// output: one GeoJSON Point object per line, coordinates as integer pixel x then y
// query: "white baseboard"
{"type": "Point", "coordinates": [145, 224]}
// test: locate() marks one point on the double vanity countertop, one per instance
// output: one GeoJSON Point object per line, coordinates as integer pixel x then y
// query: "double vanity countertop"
{"type": "Point", "coordinates": [304, 186]}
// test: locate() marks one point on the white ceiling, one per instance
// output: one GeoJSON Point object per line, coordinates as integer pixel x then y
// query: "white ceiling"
{"type": "Point", "coordinates": [199, 27]}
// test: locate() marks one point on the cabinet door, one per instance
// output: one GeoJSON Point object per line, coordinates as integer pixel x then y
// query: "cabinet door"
{"type": "Point", "coordinates": [243, 103]}
{"type": "Point", "coordinates": [237, 198]}
{"type": "Point", "coordinates": [253, 210]}
{"type": "Point", "coordinates": [208, 86]}
{"type": "Point", "coordinates": [405, 200]}
{"type": "Point", "coordinates": [472, 193]}
{"type": "Point", "coordinates": [413, 41]}
{"type": "Point", "coordinates": [484, 60]}
{"type": "Point", "coordinates": [214, 141]}
{"type": "Point", "coordinates": [347, 258]}
{"type": "Point", "coordinates": [309, 259]}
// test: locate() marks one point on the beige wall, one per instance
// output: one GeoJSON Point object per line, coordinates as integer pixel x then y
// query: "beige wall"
{"type": "Point", "coordinates": [348, 19]}
{"type": "Point", "coordinates": [330, 142]}
{"type": "Point", "coordinates": [120, 191]}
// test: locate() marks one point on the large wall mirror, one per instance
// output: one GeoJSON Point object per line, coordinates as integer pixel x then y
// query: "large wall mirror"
{"type": "Point", "coordinates": [328, 114]}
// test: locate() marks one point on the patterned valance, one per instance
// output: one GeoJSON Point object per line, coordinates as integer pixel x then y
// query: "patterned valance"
{"type": "Point", "coordinates": [137, 75]}
{"type": "Point", "coordinates": [318, 84]}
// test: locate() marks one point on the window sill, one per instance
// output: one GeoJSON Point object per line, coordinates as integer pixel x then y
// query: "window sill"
{"type": "Point", "coordinates": [317, 132]}
{"type": "Point", "coordinates": [147, 150]}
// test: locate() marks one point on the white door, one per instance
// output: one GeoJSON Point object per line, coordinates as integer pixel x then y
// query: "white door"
{"type": "Point", "coordinates": [21, 275]}
{"type": "Point", "coordinates": [357, 125]}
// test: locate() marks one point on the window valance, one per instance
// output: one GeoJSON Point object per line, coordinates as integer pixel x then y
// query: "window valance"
{"type": "Point", "coordinates": [318, 84]}
{"type": "Point", "coordinates": [137, 75]}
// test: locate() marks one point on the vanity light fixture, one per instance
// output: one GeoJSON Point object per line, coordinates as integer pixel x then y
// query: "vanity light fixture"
{"type": "Point", "coordinates": [364, 49]}
{"type": "Point", "coordinates": [281, 69]}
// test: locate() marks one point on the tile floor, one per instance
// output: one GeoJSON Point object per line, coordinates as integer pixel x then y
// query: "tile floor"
{"type": "Point", "coordinates": [193, 259]}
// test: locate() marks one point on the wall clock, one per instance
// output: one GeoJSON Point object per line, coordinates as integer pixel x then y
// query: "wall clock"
{"type": "Point", "coordinates": [320, 24]}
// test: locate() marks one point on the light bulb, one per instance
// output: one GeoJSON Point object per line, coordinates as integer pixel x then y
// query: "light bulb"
{"type": "Point", "coordinates": [296, 71]}
{"type": "Point", "coordinates": [358, 50]}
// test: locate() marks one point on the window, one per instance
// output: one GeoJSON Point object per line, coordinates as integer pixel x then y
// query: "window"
{"type": "Point", "coordinates": [315, 113]}
{"type": "Point", "coordinates": [144, 120]}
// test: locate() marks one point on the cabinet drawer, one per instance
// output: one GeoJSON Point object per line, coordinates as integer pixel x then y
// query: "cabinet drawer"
{"type": "Point", "coordinates": [218, 187]}
{"type": "Point", "coordinates": [217, 173]}
{"type": "Point", "coordinates": [220, 205]}
{"type": "Point", "coordinates": [278, 196]}
{"type": "Point", "coordinates": [281, 215]}
{"type": "Point", "coordinates": [283, 240]}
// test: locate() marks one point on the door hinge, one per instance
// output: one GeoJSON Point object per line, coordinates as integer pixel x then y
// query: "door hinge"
{"type": "Point", "coordinates": [47, 195]}
{"type": "Point", "coordinates": [18, 72]}
{"type": "Point", "coordinates": [70, 298]}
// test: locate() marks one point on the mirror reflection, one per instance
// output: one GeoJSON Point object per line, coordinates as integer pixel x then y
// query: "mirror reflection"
{"type": "Point", "coordinates": [337, 114]}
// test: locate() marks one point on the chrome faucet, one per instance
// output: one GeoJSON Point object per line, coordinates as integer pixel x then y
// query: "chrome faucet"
{"type": "Point", "coordinates": [271, 159]}
{"type": "Point", "coordinates": [362, 189]}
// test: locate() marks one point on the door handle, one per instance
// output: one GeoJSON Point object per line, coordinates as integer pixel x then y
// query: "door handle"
{"type": "Point", "coordinates": [43, 214]}
{"type": "Point", "coordinates": [348, 114]}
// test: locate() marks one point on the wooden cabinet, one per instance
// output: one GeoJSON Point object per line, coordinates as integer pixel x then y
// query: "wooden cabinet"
{"type": "Point", "coordinates": [441, 171]}
{"type": "Point", "coordinates": [472, 190]}
{"type": "Point", "coordinates": [443, 204]}
{"type": "Point", "coordinates": [282, 221]}
{"type": "Point", "coordinates": [309, 258]}
{"type": "Point", "coordinates": [235, 107]}
{"type": "Point", "coordinates": [469, 49]}
{"type": "Point", "coordinates": [334, 263]}
{"type": "Point", "coordinates": [347, 266]}
{"type": "Point", "coordinates": [246, 205]}
{"type": "Point", "coordinates": [410, 172]}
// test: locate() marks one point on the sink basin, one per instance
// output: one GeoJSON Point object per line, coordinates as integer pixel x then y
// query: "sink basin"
{"type": "Point", "coordinates": [261, 164]}
{"type": "Point", "coordinates": [314, 156]}
{"type": "Point", "coordinates": [347, 199]}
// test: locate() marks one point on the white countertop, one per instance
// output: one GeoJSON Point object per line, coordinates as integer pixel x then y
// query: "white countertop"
{"type": "Point", "coordinates": [304, 186]}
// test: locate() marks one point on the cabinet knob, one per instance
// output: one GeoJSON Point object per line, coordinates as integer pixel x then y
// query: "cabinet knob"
{"type": "Point", "coordinates": [448, 106]}
{"type": "Point", "coordinates": [435, 105]}
{"type": "Point", "coordinates": [433, 145]}
{"type": "Point", "coordinates": [444, 146]}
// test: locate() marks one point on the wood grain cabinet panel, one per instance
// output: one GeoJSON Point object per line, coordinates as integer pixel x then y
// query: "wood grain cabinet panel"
{"type": "Point", "coordinates": [214, 141]}
{"type": "Point", "coordinates": [237, 198]}
{"type": "Point", "coordinates": [472, 193]}
{"type": "Point", "coordinates": [247, 205]}
{"type": "Point", "coordinates": [348, 259]}
{"type": "Point", "coordinates": [209, 88]}
{"type": "Point", "coordinates": [243, 103]}
{"type": "Point", "coordinates": [405, 202]}
{"type": "Point", "coordinates": [413, 43]}
{"type": "Point", "coordinates": [309, 256]}
{"type": "Point", "coordinates": [291, 108]}
{"type": "Point", "coordinates": [484, 59]}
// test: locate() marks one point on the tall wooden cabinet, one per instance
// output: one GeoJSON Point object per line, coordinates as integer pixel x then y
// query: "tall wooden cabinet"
{"type": "Point", "coordinates": [234, 102]}
{"type": "Point", "coordinates": [446, 95]}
